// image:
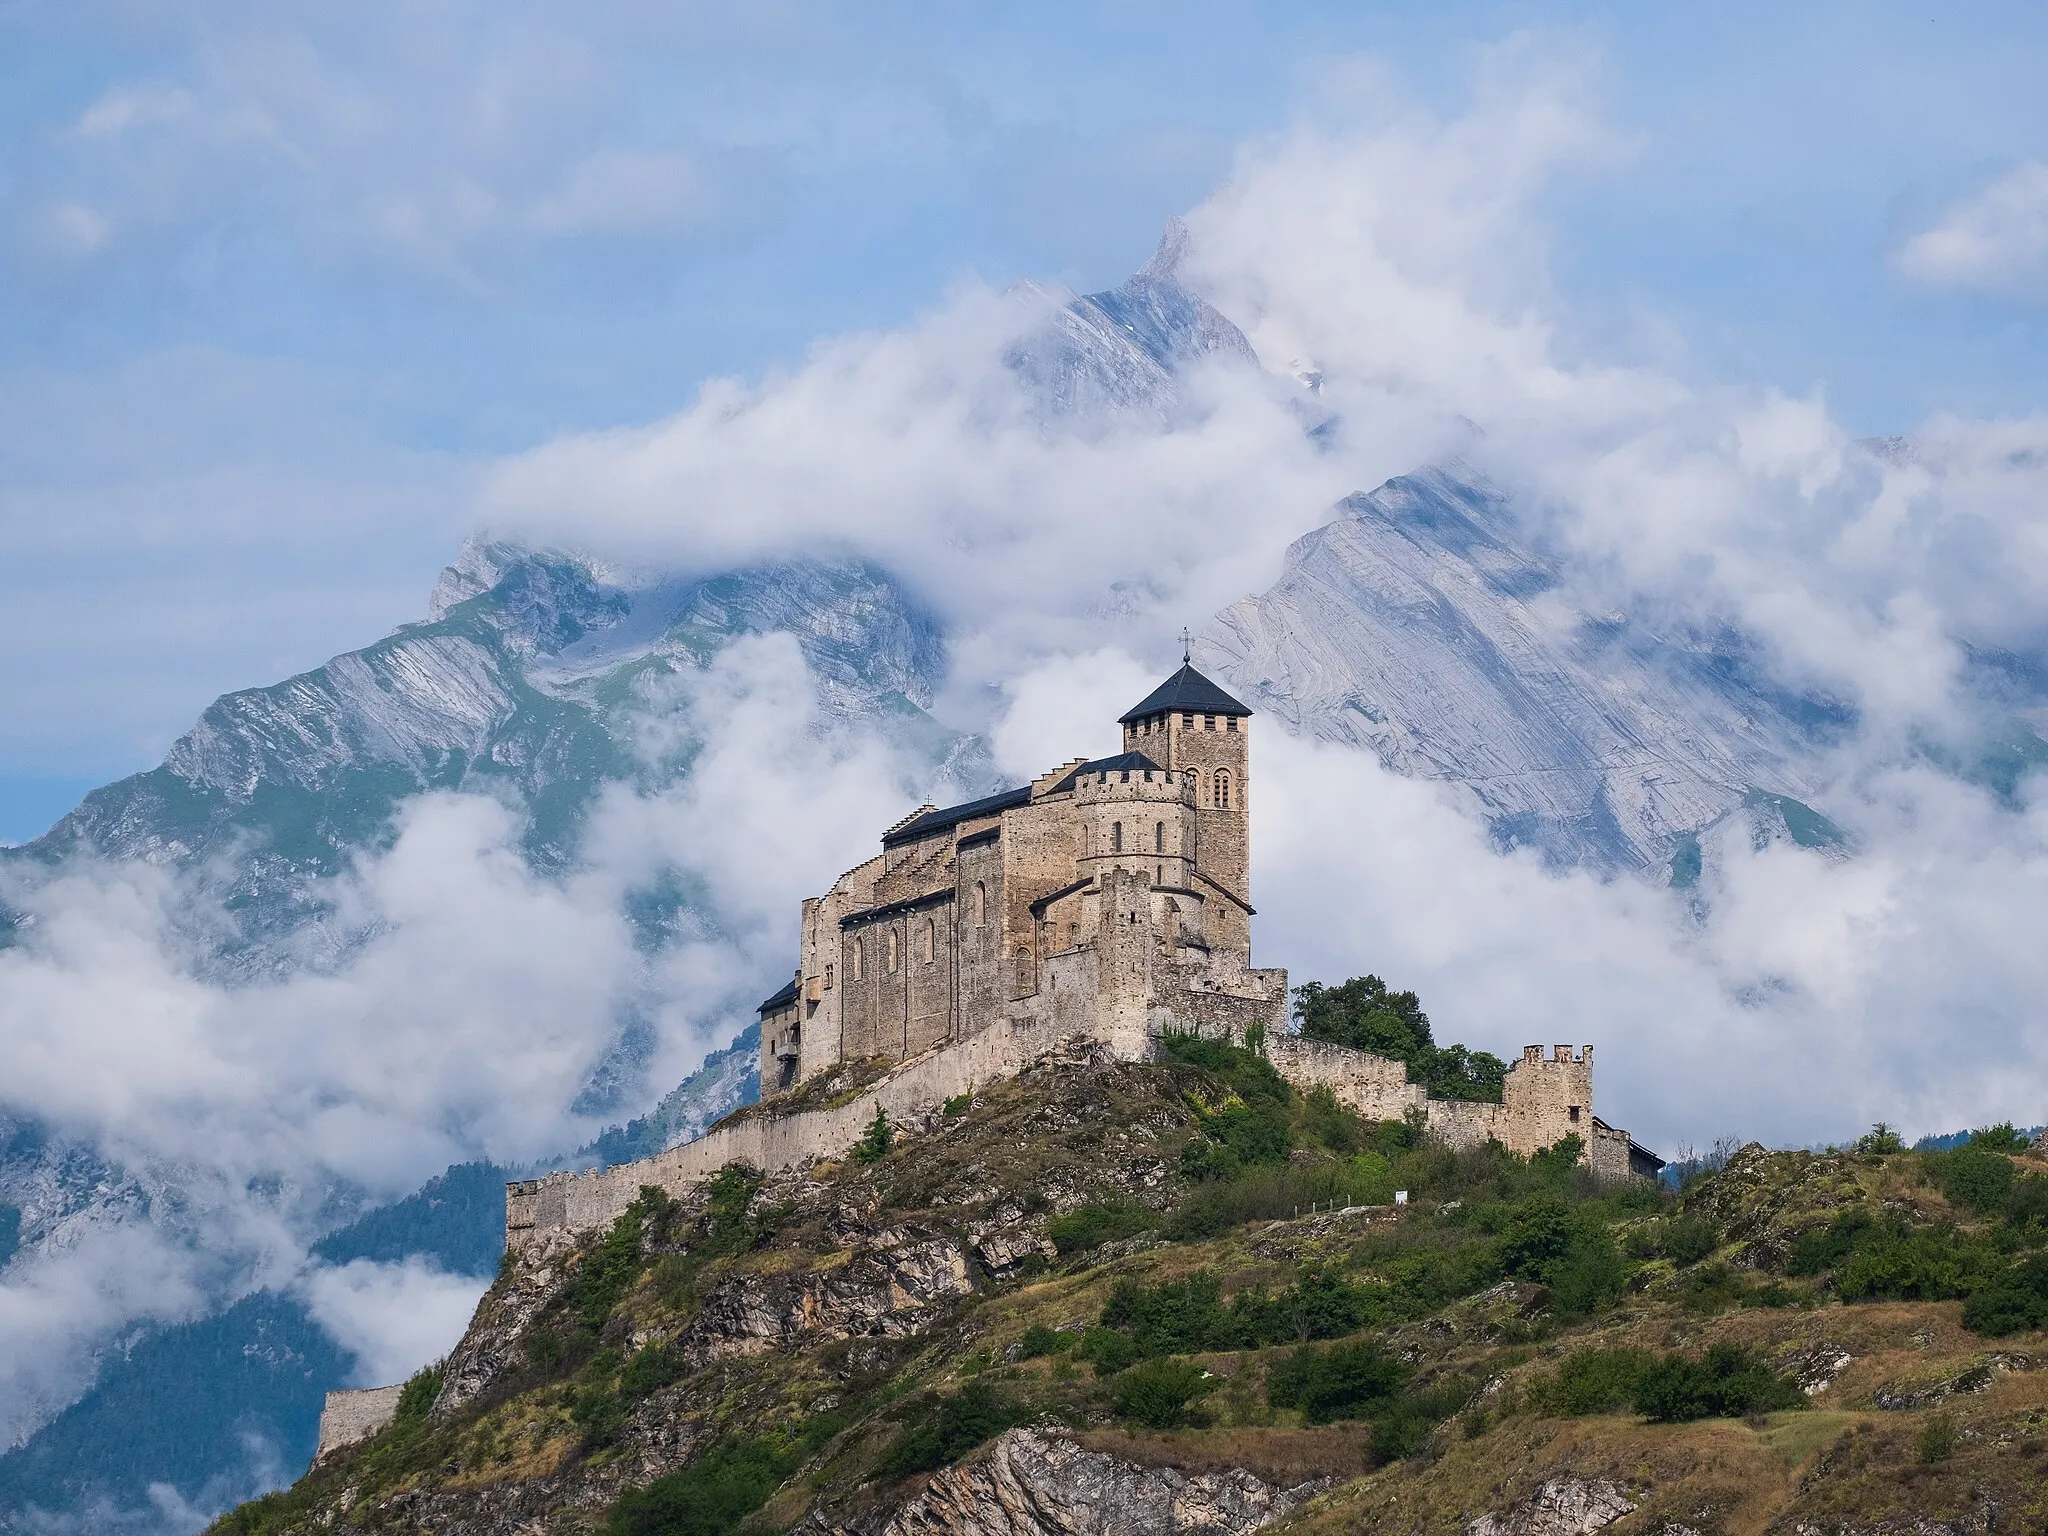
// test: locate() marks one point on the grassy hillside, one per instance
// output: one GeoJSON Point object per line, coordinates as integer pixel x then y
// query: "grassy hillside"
{"type": "Point", "coordinates": [1099, 1272]}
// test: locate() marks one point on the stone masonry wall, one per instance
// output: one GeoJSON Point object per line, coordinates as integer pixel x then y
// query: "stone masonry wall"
{"type": "Point", "coordinates": [1374, 1086]}
{"type": "Point", "coordinates": [909, 1096]}
{"type": "Point", "coordinates": [1535, 1112]}
{"type": "Point", "coordinates": [351, 1416]}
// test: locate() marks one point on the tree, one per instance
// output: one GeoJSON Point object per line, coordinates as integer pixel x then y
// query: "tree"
{"type": "Point", "coordinates": [1365, 1015]}
{"type": "Point", "coordinates": [876, 1140]}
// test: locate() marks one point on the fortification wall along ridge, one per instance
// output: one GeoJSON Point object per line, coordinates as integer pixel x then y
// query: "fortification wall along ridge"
{"type": "Point", "coordinates": [1543, 1101]}
{"type": "Point", "coordinates": [347, 1417]}
{"type": "Point", "coordinates": [910, 1096]}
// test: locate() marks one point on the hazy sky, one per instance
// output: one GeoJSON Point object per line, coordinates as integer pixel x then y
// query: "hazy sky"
{"type": "Point", "coordinates": [279, 282]}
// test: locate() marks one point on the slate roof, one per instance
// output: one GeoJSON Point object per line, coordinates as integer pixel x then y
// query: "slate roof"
{"type": "Point", "coordinates": [1127, 762]}
{"type": "Point", "coordinates": [952, 816]}
{"type": "Point", "coordinates": [780, 1000]}
{"type": "Point", "coordinates": [1188, 692]}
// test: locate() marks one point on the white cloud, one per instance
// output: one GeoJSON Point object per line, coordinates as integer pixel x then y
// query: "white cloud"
{"type": "Point", "coordinates": [127, 108]}
{"type": "Point", "coordinates": [1994, 241]}
{"type": "Point", "coordinates": [464, 1024]}
{"type": "Point", "coordinates": [394, 1318]}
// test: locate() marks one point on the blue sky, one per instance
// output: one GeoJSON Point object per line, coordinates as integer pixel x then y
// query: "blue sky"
{"type": "Point", "coordinates": [278, 282]}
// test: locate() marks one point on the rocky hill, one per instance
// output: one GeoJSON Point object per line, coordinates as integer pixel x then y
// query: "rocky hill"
{"type": "Point", "coordinates": [1116, 1298]}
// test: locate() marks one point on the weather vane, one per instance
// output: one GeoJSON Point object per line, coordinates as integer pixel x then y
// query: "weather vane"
{"type": "Point", "coordinates": [1187, 648]}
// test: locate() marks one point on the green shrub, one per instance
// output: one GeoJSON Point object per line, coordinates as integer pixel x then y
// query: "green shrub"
{"type": "Point", "coordinates": [1569, 1252]}
{"type": "Point", "coordinates": [708, 1498]}
{"type": "Point", "coordinates": [876, 1140]}
{"type": "Point", "coordinates": [1342, 1381]}
{"type": "Point", "coordinates": [2013, 1301]}
{"type": "Point", "coordinates": [1728, 1383]}
{"type": "Point", "coordinates": [417, 1397]}
{"type": "Point", "coordinates": [939, 1431]}
{"type": "Point", "coordinates": [1320, 1304]}
{"type": "Point", "coordinates": [958, 1105]}
{"type": "Point", "coordinates": [1177, 1317]}
{"type": "Point", "coordinates": [610, 1268]}
{"type": "Point", "coordinates": [1090, 1226]}
{"type": "Point", "coordinates": [1973, 1177]}
{"type": "Point", "coordinates": [1599, 1380]}
{"type": "Point", "coordinates": [729, 1224]}
{"type": "Point", "coordinates": [1160, 1393]}
{"type": "Point", "coordinates": [1271, 1193]}
{"type": "Point", "coordinates": [1330, 1123]}
{"type": "Point", "coordinates": [1688, 1239]}
{"type": "Point", "coordinates": [2027, 1205]}
{"type": "Point", "coordinates": [649, 1371]}
{"type": "Point", "coordinates": [1881, 1140]}
{"type": "Point", "coordinates": [1040, 1340]}
{"type": "Point", "coordinates": [1109, 1351]}
{"type": "Point", "coordinates": [1938, 1438]}
{"type": "Point", "coordinates": [1253, 1129]}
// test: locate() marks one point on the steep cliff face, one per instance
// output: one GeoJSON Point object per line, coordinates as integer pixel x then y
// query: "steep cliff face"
{"type": "Point", "coordinates": [1421, 626]}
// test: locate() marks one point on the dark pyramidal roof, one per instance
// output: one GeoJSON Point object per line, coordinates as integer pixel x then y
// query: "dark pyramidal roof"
{"type": "Point", "coordinates": [1186, 691]}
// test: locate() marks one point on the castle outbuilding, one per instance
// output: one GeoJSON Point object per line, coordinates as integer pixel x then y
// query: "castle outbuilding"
{"type": "Point", "coordinates": [1110, 898]}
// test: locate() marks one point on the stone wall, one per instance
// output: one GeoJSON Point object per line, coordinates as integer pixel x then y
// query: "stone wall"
{"type": "Point", "coordinates": [910, 1096]}
{"type": "Point", "coordinates": [1374, 1086]}
{"type": "Point", "coordinates": [1609, 1152]}
{"type": "Point", "coordinates": [351, 1416]}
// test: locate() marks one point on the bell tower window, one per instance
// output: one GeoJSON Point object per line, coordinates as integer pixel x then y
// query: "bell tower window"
{"type": "Point", "coordinates": [1222, 794]}
{"type": "Point", "coordinates": [1116, 837]}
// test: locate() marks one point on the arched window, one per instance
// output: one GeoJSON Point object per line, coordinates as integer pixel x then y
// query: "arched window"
{"type": "Point", "coordinates": [1116, 837]}
{"type": "Point", "coordinates": [980, 902]}
{"type": "Point", "coordinates": [860, 959]}
{"type": "Point", "coordinates": [1025, 974]}
{"type": "Point", "coordinates": [931, 941]}
{"type": "Point", "coordinates": [893, 954]}
{"type": "Point", "coordinates": [1222, 789]}
{"type": "Point", "coordinates": [1159, 837]}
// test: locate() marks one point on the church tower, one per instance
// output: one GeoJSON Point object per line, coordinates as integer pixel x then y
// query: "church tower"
{"type": "Point", "coordinates": [1190, 726]}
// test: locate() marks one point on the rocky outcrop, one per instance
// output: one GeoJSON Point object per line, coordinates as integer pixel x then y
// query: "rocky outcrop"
{"type": "Point", "coordinates": [1033, 1484]}
{"type": "Point", "coordinates": [884, 1292]}
{"type": "Point", "coordinates": [495, 1342]}
{"type": "Point", "coordinates": [1564, 1506]}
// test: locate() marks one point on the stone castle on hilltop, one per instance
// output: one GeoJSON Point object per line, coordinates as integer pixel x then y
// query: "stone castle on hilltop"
{"type": "Point", "coordinates": [1106, 905]}
{"type": "Point", "coordinates": [1110, 899]}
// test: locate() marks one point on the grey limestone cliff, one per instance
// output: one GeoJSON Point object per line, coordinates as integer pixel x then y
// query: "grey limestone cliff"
{"type": "Point", "coordinates": [1421, 625]}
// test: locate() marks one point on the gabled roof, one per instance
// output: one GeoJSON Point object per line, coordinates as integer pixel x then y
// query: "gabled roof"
{"type": "Point", "coordinates": [1189, 692]}
{"type": "Point", "coordinates": [953, 815]}
{"type": "Point", "coordinates": [1124, 762]}
{"type": "Point", "coordinates": [780, 1000]}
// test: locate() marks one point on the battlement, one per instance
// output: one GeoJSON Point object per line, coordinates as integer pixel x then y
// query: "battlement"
{"type": "Point", "coordinates": [1561, 1055]}
{"type": "Point", "coordinates": [1160, 786]}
